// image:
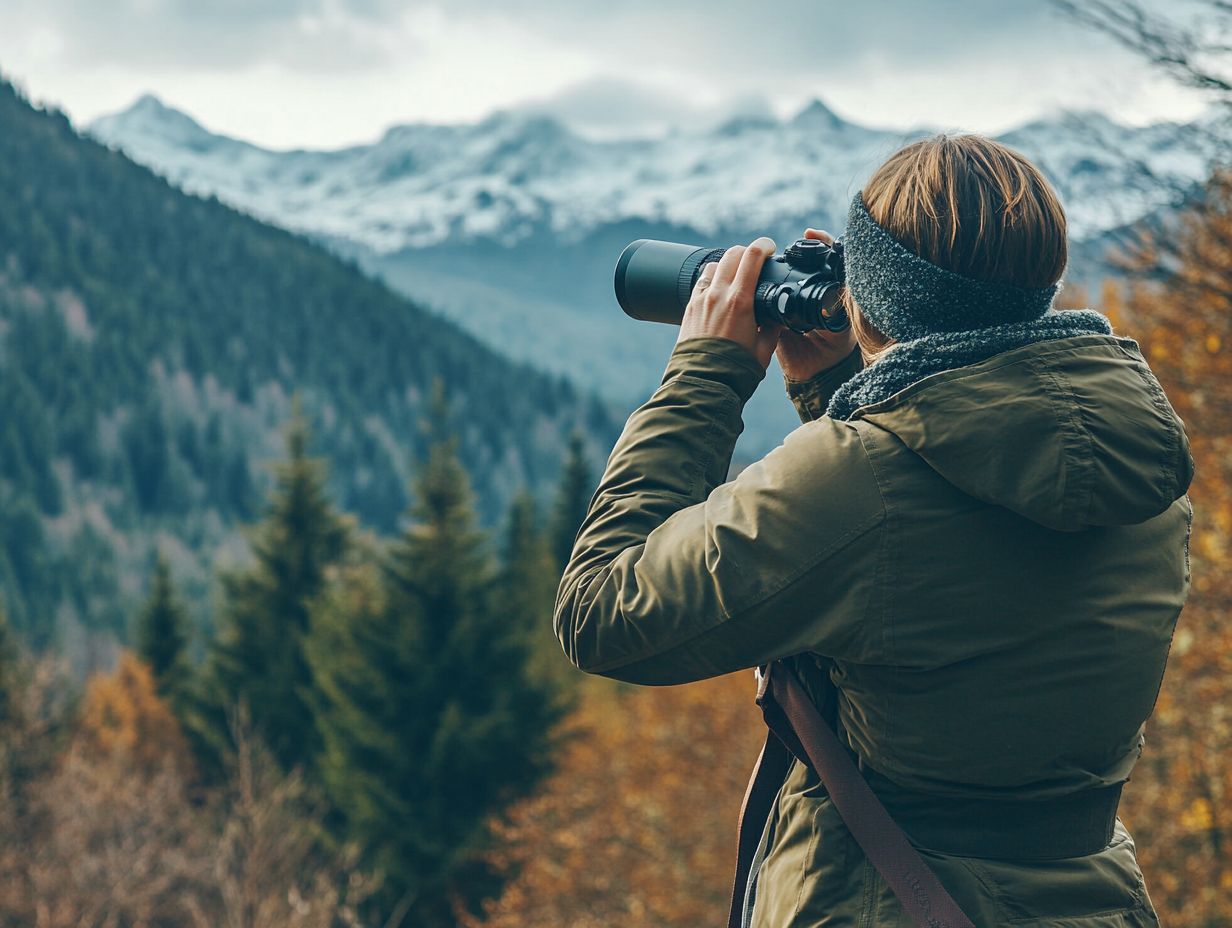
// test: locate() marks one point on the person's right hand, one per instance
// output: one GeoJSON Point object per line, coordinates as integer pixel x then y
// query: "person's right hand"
{"type": "Point", "coordinates": [804, 356]}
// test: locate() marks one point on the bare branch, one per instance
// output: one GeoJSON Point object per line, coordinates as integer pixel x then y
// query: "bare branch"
{"type": "Point", "coordinates": [1195, 54]}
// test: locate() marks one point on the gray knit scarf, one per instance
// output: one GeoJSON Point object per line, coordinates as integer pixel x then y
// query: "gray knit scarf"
{"type": "Point", "coordinates": [939, 320]}
{"type": "Point", "coordinates": [910, 362]}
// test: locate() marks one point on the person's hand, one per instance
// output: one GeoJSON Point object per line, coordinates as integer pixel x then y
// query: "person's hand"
{"type": "Point", "coordinates": [804, 356]}
{"type": "Point", "coordinates": [721, 305]}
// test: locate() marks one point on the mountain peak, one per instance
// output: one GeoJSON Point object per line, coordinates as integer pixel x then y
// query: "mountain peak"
{"type": "Point", "coordinates": [525, 120]}
{"type": "Point", "coordinates": [420, 185]}
{"type": "Point", "coordinates": [150, 117]}
{"type": "Point", "coordinates": [150, 108]}
{"type": "Point", "coordinates": [149, 103]}
{"type": "Point", "coordinates": [1094, 127]}
{"type": "Point", "coordinates": [816, 114]}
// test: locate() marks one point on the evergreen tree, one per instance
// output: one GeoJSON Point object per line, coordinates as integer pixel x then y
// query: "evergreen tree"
{"type": "Point", "coordinates": [527, 588]}
{"type": "Point", "coordinates": [572, 500]}
{"type": "Point", "coordinates": [258, 657]}
{"type": "Point", "coordinates": [155, 327]}
{"type": "Point", "coordinates": [162, 636]}
{"type": "Point", "coordinates": [431, 718]}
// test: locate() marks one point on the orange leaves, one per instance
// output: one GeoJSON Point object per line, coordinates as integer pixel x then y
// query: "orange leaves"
{"type": "Point", "coordinates": [1178, 803]}
{"type": "Point", "coordinates": [1198, 817]}
{"type": "Point", "coordinates": [123, 715]}
{"type": "Point", "coordinates": [638, 824]}
{"type": "Point", "coordinates": [110, 833]}
{"type": "Point", "coordinates": [637, 827]}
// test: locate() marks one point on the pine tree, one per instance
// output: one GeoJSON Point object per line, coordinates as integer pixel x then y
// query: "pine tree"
{"type": "Point", "coordinates": [258, 657]}
{"type": "Point", "coordinates": [572, 500]}
{"type": "Point", "coordinates": [527, 588]}
{"type": "Point", "coordinates": [431, 718]}
{"type": "Point", "coordinates": [162, 636]}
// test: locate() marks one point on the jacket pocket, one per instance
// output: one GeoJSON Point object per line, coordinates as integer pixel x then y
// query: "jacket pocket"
{"type": "Point", "coordinates": [1101, 890]}
{"type": "Point", "coordinates": [813, 874]}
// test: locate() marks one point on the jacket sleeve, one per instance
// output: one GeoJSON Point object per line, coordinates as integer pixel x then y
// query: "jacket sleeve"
{"type": "Point", "coordinates": [674, 578]}
{"type": "Point", "coordinates": [812, 396]}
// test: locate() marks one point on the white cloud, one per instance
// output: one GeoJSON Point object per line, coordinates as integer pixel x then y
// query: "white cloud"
{"type": "Point", "coordinates": [426, 65]}
{"type": "Point", "coordinates": [333, 72]}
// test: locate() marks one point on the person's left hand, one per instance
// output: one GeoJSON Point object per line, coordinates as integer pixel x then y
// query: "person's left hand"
{"type": "Point", "coordinates": [721, 305]}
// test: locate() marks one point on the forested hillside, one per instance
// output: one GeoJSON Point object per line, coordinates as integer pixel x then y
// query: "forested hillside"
{"type": "Point", "coordinates": [548, 210]}
{"type": "Point", "coordinates": [153, 343]}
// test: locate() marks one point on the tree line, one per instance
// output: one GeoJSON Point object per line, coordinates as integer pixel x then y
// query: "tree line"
{"type": "Point", "coordinates": [152, 342]}
{"type": "Point", "coordinates": [102, 827]}
{"type": "Point", "coordinates": [397, 695]}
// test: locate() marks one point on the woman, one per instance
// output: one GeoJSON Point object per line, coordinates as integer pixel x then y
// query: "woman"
{"type": "Point", "coordinates": [977, 542]}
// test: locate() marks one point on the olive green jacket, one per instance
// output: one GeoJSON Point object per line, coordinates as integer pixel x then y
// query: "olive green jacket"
{"type": "Point", "coordinates": [994, 559]}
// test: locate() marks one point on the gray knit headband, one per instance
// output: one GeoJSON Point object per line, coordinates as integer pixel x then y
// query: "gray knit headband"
{"type": "Point", "coordinates": [907, 297]}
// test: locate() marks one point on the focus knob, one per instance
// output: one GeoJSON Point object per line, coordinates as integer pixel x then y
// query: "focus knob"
{"type": "Point", "coordinates": [807, 254]}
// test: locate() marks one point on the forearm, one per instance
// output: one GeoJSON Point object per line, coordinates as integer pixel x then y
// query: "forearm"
{"type": "Point", "coordinates": [812, 396]}
{"type": "Point", "coordinates": [674, 450]}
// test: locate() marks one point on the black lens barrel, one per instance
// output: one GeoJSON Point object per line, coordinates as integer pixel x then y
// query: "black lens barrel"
{"type": "Point", "coordinates": [799, 288]}
{"type": "Point", "coordinates": [649, 279]}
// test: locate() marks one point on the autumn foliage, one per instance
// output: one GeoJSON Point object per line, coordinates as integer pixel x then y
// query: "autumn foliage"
{"type": "Point", "coordinates": [107, 823]}
{"type": "Point", "coordinates": [638, 825]}
{"type": "Point", "coordinates": [124, 718]}
{"type": "Point", "coordinates": [1178, 803]}
{"type": "Point", "coordinates": [105, 830]}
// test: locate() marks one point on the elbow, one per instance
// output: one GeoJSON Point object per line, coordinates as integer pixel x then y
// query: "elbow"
{"type": "Point", "coordinates": [581, 653]}
{"type": "Point", "coordinates": [598, 637]}
{"type": "Point", "coordinates": [605, 655]}
{"type": "Point", "coordinates": [579, 625]}
{"type": "Point", "coordinates": [565, 623]}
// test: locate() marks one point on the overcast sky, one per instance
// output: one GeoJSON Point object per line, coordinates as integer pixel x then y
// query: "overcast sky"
{"type": "Point", "coordinates": [325, 73]}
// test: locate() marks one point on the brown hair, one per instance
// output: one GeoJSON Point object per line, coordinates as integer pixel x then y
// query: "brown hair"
{"type": "Point", "coordinates": [972, 206]}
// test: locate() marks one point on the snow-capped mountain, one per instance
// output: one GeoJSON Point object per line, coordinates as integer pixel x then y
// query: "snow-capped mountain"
{"type": "Point", "coordinates": [514, 173]}
{"type": "Point", "coordinates": [511, 226]}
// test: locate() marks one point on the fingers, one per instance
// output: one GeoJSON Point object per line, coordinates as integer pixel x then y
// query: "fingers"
{"type": "Point", "coordinates": [706, 276]}
{"type": "Point", "coordinates": [744, 284]}
{"type": "Point", "coordinates": [725, 272]}
{"type": "Point", "coordinates": [819, 235]}
{"type": "Point", "coordinates": [721, 305]}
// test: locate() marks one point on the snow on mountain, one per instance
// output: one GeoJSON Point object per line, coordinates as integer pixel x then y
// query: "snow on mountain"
{"type": "Point", "coordinates": [541, 212]}
{"type": "Point", "coordinates": [1110, 175]}
{"type": "Point", "coordinates": [516, 173]}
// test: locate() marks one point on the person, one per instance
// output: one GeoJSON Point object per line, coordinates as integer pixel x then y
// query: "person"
{"type": "Point", "coordinates": [975, 546]}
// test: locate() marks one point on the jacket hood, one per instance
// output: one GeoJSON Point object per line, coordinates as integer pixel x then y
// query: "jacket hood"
{"type": "Point", "coordinates": [1070, 433]}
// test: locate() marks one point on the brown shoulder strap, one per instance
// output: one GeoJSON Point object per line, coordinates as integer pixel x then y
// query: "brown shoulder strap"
{"type": "Point", "coordinates": [799, 728]}
{"type": "Point", "coordinates": [768, 775]}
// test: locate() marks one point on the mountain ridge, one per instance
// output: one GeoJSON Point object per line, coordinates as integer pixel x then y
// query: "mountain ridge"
{"type": "Point", "coordinates": [156, 343]}
{"type": "Point", "coordinates": [423, 183]}
{"type": "Point", "coordinates": [511, 225]}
